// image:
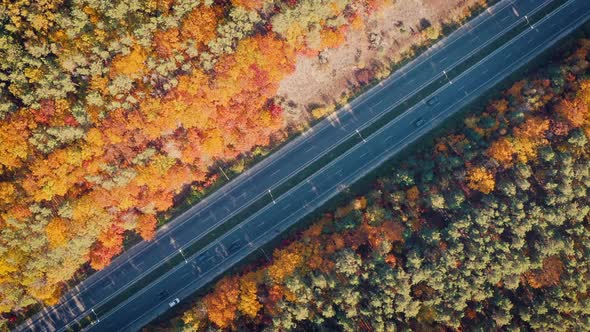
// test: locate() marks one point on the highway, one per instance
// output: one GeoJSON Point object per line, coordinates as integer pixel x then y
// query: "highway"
{"type": "Point", "coordinates": [324, 184]}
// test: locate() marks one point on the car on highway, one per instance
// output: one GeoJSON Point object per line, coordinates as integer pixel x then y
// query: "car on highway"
{"type": "Point", "coordinates": [235, 246]}
{"type": "Point", "coordinates": [174, 302]}
{"type": "Point", "coordinates": [432, 101]}
{"type": "Point", "coordinates": [419, 122]}
{"type": "Point", "coordinates": [163, 294]}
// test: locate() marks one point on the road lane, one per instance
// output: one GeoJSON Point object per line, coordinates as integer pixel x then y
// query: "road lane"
{"type": "Point", "coordinates": [353, 166]}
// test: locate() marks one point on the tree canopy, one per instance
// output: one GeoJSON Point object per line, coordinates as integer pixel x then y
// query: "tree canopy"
{"type": "Point", "coordinates": [487, 229]}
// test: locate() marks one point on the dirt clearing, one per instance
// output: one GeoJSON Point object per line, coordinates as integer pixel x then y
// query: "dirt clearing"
{"type": "Point", "coordinates": [383, 38]}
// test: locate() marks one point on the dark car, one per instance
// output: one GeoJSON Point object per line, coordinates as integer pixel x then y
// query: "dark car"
{"type": "Point", "coordinates": [235, 247]}
{"type": "Point", "coordinates": [204, 256]}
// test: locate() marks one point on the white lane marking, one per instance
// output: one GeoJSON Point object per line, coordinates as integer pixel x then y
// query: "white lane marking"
{"type": "Point", "coordinates": [309, 148]}
{"type": "Point", "coordinates": [275, 172]}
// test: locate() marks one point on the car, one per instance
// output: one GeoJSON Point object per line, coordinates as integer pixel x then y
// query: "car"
{"type": "Point", "coordinates": [164, 294]}
{"type": "Point", "coordinates": [174, 302]}
{"type": "Point", "coordinates": [235, 246]}
{"type": "Point", "coordinates": [432, 101]}
{"type": "Point", "coordinates": [204, 256]}
{"type": "Point", "coordinates": [419, 122]}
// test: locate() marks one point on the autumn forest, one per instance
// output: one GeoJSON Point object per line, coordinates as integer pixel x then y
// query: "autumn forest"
{"type": "Point", "coordinates": [484, 230]}
{"type": "Point", "coordinates": [115, 115]}
{"type": "Point", "coordinates": [110, 109]}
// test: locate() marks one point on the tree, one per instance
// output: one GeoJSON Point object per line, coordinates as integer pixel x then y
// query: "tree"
{"type": "Point", "coordinates": [132, 64]}
{"type": "Point", "coordinates": [200, 24]}
{"type": "Point", "coordinates": [284, 263]}
{"type": "Point", "coordinates": [547, 276]}
{"type": "Point", "coordinates": [146, 226]}
{"type": "Point", "coordinates": [249, 4]}
{"type": "Point", "coordinates": [575, 112]}
{"type": "Point", "coordinates": [347, 262]}
{"type": "Point", "coordinates": [481, 179]}
{"type": "Point", "coordinates": [110, 243]}
{"type": "Point", "coordinates": [248, 304]}
{"type": "Point", "coordinates": [167, 42]}
{"type": "Point", "coordinates": [437, 201]}
{"type": "Point", "coordinates": [502, 151]}
{"type": "Point", "coordinates": [14, 148]}
{"type": "Point", "coordinates": [57, 232]}
{"type": "Point", "coordinates": [331, 38]}
{"type": "Point", "coordinates": [533, 128]}
{"type": "Point", "coordinates": [7, 193]}
{"type": "Point", "coordinates": [222, 304]}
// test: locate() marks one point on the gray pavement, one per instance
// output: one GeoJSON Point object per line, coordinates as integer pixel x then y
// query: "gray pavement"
{"type": "Point", "coordinates": [298, 201]}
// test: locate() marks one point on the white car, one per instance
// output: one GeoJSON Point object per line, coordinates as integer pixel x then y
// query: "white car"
{"type": "Point", "coordinates": [419, 122]}
{"type": "Point", "coordinates": [174, 302]}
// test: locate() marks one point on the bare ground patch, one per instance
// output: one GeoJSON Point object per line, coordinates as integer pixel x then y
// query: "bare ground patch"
{"type": "Point", "coordinates": [383, 38]}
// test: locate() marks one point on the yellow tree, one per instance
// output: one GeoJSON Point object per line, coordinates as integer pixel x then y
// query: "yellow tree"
{"type": "Point", "coordinates": [57, 232]}
{"type": "Point", "coordinates": [500, 105]}
{"type": "Point", "coordinates": [194, 319]}
{"type": "Point", "coordinates": [249, 4]}
{"type": "Point", "coordinates": [166, 42]}
{"type": "Point", "coordinates": [575, 112]}
{"type": "Point", "coordinates": [222, 303]}
{"type": "Point", "coordinates": [332, 38]}
{"type": "Point", "coordinates": [200, 24]}
{"type": "Point", "coordinates": [248, 304]}
{"type": "Point", "coordinates": [47, 293]}
{"type": "Point", "coordinates": [481, 179]}
{"type": "Point", "coordinates": [286, 261]}
{"type": "Point", "coordinates": [533, 128]}
{"type": "Point", "coordinates": [132, 64]}
{"type": "Point", "coordinates": [502, 151]}
{"type": "Point", "coordinates": [13, 144]}
{"type": "Point", "coordinates": [7, 193]}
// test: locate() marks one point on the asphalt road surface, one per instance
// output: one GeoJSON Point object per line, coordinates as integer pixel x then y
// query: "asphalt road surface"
{"type": "Point", "coordinates": [300, 200]}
